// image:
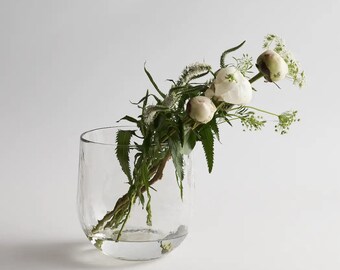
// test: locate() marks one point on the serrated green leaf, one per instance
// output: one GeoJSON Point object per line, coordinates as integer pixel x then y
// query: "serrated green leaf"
{"type": "Point", "coordinates": [190, 139]}
{"type": "Point", "coordinates": [123, 139]}
{"type": "Point", "coordinates": [153, 83]}
{"type": "Point", "coordinates": [207, 139]}
{"type": "Point", "coordinates": [214, 127]}
{"type": "Point", "coordinates": [177, 159]}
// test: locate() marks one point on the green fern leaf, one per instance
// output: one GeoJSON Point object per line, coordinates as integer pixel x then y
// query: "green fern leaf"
{"type": "Point", "coordinates": [215, 129]}
{"type": "Point", "coordinates": [207, 139]}
{"type": "Point", "coordinates": [177, 159]}
{"type": "Point", "coordinates": [123, 138]}
{"type": "Point", "coordinates": [190, 139]}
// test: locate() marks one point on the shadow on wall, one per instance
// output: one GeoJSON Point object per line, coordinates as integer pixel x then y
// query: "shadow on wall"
{"type": "Point", "coordinates": [37, 256]}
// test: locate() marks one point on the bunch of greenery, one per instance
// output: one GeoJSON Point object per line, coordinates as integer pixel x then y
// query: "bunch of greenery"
{"type": "Point", "coordinates": [167, 130]}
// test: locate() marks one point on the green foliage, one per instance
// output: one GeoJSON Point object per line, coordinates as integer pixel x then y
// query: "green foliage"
{"type": "Point", "coordinates": [207, 139]}
{"type": "Point", "coordinates": [252, 121]}
{"type": "Point", "coordinates": [164, 130]}
{"type": "Point", "coordinates": [128, 118]}
{"type": "Point", "coordinates": [214, 128]}
{"type": "Point", "coordinates": [225, 53]}
{"type": "Point", "coordinates": [269, 39]}
{"type": "Point", "coordinates": [192, 72]}
{"type": "Point", "coordinates": [177, 158]}
{"type": "Point", "coordinates": [98, 243]}
{"type": "Point", "coordinates": [244, 64]}
{"type": "Point", "coordinates": [145, 177]}
{"type": "Point", "coordinates": [123, 138]}
{"type": "Point", "coordinates": [189, 142]}
{"type": "Point", "coordinates": [286, 119]}
{"type": "Point", "coordinates": [153, 82]}
{"type": "Point", "coordinates": [143, 98]}
{"type": "Point", "coordinates": [166, 247]}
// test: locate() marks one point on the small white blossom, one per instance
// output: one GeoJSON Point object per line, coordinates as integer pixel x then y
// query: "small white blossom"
{"type": "Point", "coordinates": [230, 86]}
{"type": "Point", "coordinates": [272, 66]}
{"type": "Point", "coordinates": [201, 109]}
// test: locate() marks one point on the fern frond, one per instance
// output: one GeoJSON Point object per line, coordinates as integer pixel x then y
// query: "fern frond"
{"type": "Point", "coordinates": [207, 139]}
{"type": "Point", "coordinates": [123, 139]}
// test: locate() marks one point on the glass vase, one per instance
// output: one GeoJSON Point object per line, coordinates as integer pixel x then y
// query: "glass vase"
{"type": "Point", "coordinates": [102, 185]}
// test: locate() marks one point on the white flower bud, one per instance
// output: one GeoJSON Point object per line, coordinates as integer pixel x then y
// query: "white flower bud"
{"type": "Point", "coordinates": [231, 86]}
{"type": "Point", "coordinates": [201, 109]}
{"type": "Point", "coordinates": [272, 66]}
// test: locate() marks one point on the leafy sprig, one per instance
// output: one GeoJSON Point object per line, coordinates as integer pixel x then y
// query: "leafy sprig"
{"type": "Point", "coordinates": [164, 131]}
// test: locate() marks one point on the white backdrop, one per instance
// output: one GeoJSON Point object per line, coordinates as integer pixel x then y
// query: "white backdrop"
{"type": "Point", "coordinates": [66, 66]}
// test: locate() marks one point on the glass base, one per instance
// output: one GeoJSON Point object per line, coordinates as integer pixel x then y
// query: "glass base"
{"type": "Point", "coordinates": [138, 244]}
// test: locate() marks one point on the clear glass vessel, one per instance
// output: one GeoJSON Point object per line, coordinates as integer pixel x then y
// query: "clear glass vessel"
{"type": "Point", "coordinates": [102, 183]}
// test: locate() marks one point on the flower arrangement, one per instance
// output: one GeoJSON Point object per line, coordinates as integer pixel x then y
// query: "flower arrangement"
{"type": "Point", "coordinates": [171, 124]}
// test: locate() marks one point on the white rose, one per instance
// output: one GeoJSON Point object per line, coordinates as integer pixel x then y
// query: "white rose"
{"type": "Point", "coordinates": [231, 86]}
{"type": "Point", "coordinates": [201, 109]}
{"type": "Point", "coordinates": [272, 66]}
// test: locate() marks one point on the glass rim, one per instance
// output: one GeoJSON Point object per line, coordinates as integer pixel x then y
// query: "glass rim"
{"type": "Point", "coordinates": [84, 140]}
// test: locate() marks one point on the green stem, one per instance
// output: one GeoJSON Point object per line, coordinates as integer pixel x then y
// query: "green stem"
{"type": "Point", "coordinates": [256, 109]}
{"type": "Point", "coordinates": [126, 202]}
{"type": "Point", "coordinates": [260, 110]}
{"type": "Point", "coordinates": [126, 218]}
{"type": "Point", "coordinates": [256, 77]}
